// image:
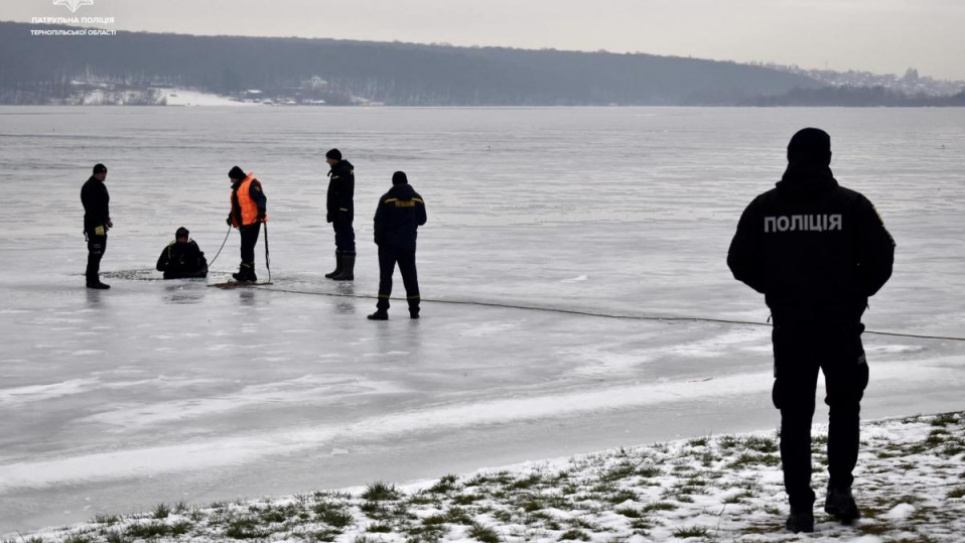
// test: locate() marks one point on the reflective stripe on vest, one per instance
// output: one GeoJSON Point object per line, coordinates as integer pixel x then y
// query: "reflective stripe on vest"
{"type": "Point", "coordinates": [249, 208]}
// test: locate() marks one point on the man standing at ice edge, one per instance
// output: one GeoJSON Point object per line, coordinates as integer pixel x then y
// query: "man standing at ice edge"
{"type": "Point", "coordinates": [97, 221]}
{"type": "Point", "coordinates": [248, 211]}
{"type": "Point", "coordinates": [816, 251]}
{"type": "Point", "coordinates": [400, 213]}
{"type": "Point", "coordinates": [340, 211]}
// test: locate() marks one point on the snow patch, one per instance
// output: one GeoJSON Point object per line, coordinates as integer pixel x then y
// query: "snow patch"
{"type": "Point", "coordinates": [183, 97]}
{"type": "Point", "coordinates": [899, 512]}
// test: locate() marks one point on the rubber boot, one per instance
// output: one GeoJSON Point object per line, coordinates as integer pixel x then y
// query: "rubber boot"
{"type": "Point", "coordinates": [93, 272]}
{"type": "Point", "coordinates": [800, 520]}
{"type": "Point", "coordinates": [338, 266]}
{"type": "Point", "coordinates": [839, 503]}
{"type": "Point", "coordinates": [348, 269]}
{"type": "Point", "coordinates": [413, 309]}
{"type": "Point", "coordinates": [379, 315]}
{"type": "Point", "coordinates": [246, 273]}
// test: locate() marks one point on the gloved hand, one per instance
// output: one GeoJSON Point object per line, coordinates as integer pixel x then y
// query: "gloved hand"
{"type": "Point", "coordinates": [228, 221]}
{"type": "Point", "coordinates": [261, 217]}
{"type": "Point", "coordinates": [110, 224]}
{"type": "Point", "coordinates": [328, 217]}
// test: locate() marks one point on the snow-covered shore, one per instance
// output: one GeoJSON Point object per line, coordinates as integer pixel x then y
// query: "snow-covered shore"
{"type": "Point", "coordinates": [910, 485]}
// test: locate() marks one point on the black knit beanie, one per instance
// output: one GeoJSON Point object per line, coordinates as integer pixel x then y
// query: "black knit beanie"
{"type": "Point", "coordinates": [181, 233]}
{"type": "Point", "coordinates": [237, 173]}
{"type": "Point", "coordinates": [334, 153]}
{"type": "Point", "coordinates": [399, 178]}
{"type": "Point", "coordinates": [810, 145]}
{"type": "Point", "coordinates": [99, 168]}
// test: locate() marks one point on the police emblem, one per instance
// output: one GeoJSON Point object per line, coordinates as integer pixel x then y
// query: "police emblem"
{"type": "Point", "coordinates": [73, 5]}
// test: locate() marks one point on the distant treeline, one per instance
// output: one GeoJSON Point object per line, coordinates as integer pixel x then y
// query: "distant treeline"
{"type": "Point", "coordinates": [42, 68]}
{"type": "Point", "coordinates": [127, 67]}
{"type": "Point", "coordinates": [856, 97]}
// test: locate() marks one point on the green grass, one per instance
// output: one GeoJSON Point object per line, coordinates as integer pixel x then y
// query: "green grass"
{"type": "Point", "coordinates": [458, 515]}
{"type": "Point", "coordinates": [116, 536]}
{"type": "Point", "coordinates": [527, 482]}
{"type": "Point", "coordinates": [622, 495]}
{"type": "Point", "coordinates": [109, 520]}
{"type": "Point", "coordinates": [649, 471]}
{"type": "Point", "coordinates": [747, 460]}
{"type": "Point", "coordinates": [946, 419]}
{"type": "Point", "coordinates": [333, 514]}
{"type": "Point", "coordinates": [957, 493]}
{"type": "Point", "coordinates": [246, 528]}
{"type": "Point", "coordinates": [380, 491]}
{"type": "Point", "coordinates": [445, 485]}
{"type": "Point", "coordinates": [379, 528]}
{"type": "Point", "coordinates": [483, 534]}
{"type": "Point", "coordinates": [659, 506]}
{"type": "Point", "coordinates": [574, 535]}
{"type": "Point", "coordinates": [160, 511]}
{"type": "Point", "coordinates": [693, 531]}
{"type": "Point", "coordinates": [147, 530]}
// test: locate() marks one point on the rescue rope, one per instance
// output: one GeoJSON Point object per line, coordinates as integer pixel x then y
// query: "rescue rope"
{"type": "Point", "coordinates": [587, 313]}
{"type": "Point", "coordinates": [267, 259]}
{"type": "Point", "coordinates": [222, 247]}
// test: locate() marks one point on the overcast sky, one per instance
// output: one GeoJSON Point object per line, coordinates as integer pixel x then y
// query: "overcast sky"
{"type": "Point", "coordinates": [884, 36]}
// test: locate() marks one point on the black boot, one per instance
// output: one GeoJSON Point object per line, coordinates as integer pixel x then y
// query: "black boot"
{"type": "Point", "coordinates": [348, 269]}
{"type": "Point", "coordinates": [93, 272]}
{"type": "Point", "coordinates": [246, 273]}
{"type": "Point", "coordinates": [839, 503]}
{"type": "Point", "coordinates": [800, 520]}
{"type": "Point", "coordinates": [338, 266]}
{"type": "Point", "coordinates": [413, 311]}
{"type": "Point", "coordinates": [379, 315]}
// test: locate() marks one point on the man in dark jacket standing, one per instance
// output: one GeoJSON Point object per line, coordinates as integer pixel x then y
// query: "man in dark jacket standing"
{"type": "Point", "coordinates": [816, 251]}
{"type": "Point", "coordinates": [400, 213]}
{"type": "Point", "coordinates": [249, 208]}
{"type": "Point", "coordinates": [182, 258]}
{"type": "Point", "coordinates": [341, 212]}
{"type": "Point", "coordinates": [97, 221]}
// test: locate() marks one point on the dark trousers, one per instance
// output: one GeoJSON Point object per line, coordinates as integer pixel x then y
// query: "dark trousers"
{"type": "Point", "coordinates": [344, 238]}
{"type": "Point", "coordinates": [96, 247]}
{"type": "Point", "coordinates": [249, 238]}
{"type": "Point", "coordinates": [799, 352]}
{"type": "Point", "coordinates": [405, 258]}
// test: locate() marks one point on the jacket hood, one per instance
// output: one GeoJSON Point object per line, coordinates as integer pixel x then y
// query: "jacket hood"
{"type": "Point", "coordinates": [342, 165]}
{"type": "Point", "coordinates": [806, 177]}
{"type": "Point", "coordinates": [402, 190]}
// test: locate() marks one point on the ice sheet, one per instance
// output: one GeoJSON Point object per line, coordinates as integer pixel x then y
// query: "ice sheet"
{"type": "Point", "coordinates": [161, 391]}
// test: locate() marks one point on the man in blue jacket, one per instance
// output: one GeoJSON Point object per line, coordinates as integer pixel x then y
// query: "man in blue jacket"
{"type": "Point", "coordinates": [400, 213]}
{"type": "Point", "coordinates": [817, 251]}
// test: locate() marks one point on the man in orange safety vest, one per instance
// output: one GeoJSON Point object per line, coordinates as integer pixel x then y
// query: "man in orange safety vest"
{"type": "Point", "coordinates": [248, 211]}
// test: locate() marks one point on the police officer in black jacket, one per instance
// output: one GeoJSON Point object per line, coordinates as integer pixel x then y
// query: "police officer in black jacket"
{"type": "Point", "coordinates": [97, 221]}
{"type": "Point", "coordinates": [182, 258]}
{"type": "Point", "coordinates": [817, 251]}
{"type": "Point", "coordinates": [341, 212]}
{"type": "Point", "coordinates": [400, 213]}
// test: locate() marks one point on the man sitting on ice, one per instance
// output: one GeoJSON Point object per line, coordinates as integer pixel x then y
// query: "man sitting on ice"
{"type": "Point", "coordinates": [182, 258]}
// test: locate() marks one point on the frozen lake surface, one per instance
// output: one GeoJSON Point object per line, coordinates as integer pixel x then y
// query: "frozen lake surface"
{"type": "Point", "coordinates": [162, 391]}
